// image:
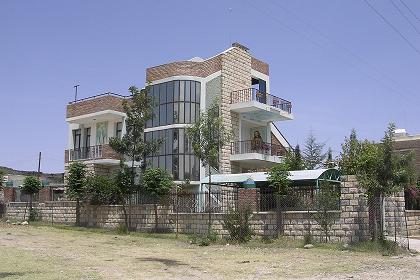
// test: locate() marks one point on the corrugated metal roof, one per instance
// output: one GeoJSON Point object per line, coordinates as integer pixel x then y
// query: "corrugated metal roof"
{"type": "Point", "coordinates": [300, 175]}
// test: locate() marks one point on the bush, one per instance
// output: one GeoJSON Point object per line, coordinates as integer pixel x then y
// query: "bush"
{"type": "Point", "coordinates": [33, 215]}
{"type": "Point", "coordinates": [122, 229]}
{"type": "Point", "coordinates": [205, 239]}
{"type": "Point", "coordinates": [236, 222]}
{"type": "Point", "coordinates": [384, 247]}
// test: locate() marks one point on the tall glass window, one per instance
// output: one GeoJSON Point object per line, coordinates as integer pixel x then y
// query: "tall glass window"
{"type": "Point", "coordinates": [175, 154]}
{"type": "Point", "coordinates": [175, 102]}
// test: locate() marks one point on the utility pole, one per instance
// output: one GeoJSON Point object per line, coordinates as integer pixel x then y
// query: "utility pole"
{"type": "Point", "coordinates": [39, 165]}
{"type": "Point", "coordinates": [75, 94]}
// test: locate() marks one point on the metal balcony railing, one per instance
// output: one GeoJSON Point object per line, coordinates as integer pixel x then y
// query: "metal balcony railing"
{"type": "Point", "coordinates": [253, 146]}
{"type": "Point", "coordinates": [252, 94]}
{"type": "Point", "coordinates": [92, 152]}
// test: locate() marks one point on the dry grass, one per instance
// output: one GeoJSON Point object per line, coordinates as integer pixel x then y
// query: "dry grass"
{"type": "Point", "coordinates": [42, 252]}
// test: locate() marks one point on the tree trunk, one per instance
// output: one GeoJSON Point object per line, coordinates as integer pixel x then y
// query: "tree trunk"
{"type": "Point", "coordinates": [30, 202]}
{"type": "Point", "coordinates": [125, 215]}
{"type": "Point", "coordinates": [209, 200]}
{"type": "Point", "coordinates": [156, 217]}
{"type": "Point", "coordinates": [77, 212]}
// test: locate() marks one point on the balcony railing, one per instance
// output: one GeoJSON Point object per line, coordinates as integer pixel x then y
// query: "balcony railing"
{"type": "Point", "coordinates": [252, 94]}
{"type": "Point", "coordinates": [252, 146]}
{"type": "Point", "coordinates": [83, 153]}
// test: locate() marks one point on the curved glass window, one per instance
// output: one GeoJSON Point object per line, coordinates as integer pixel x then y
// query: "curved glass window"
{"type": "Point", "coordinates": [175, 102]}
{"type": "Point", "coordinates": [175, 154]}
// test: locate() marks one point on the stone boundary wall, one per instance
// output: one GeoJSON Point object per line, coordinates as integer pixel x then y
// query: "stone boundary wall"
{"type": "Point", "coordinates": [351, 222]}
{"type": "Point", "coordinates": [413, 222]}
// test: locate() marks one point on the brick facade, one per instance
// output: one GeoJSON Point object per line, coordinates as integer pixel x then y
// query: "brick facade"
{"type": "Point", "coordinates": [260, 66]}
{"type": "Point", "coordinates": [94, 105]}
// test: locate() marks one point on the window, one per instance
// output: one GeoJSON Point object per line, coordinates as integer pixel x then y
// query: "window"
{"type": "Point", "coordinates": [118, 130]}
{"type": "Point", "coordinates": [174, 155]}
{"type": "Point", "coordinates": [175, 102]}
{"type": "Point", "coordinates": [87, 137]}
{"type": "Point", "coordinates": [77, 137]}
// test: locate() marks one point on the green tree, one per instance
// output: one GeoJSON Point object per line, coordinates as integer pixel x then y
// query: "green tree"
{"type": "Point", "coordinates": [326, 199]}
{"type": "Point", "coordinates": [330, 163]}
{"type": "Point", "coordinates": [101, 190]}
{"type": "Point", "coordinates": [383, 172]}
{"type": "Point", "coordinates": [350, 150]}
{"type": "Point", "coordinates": [294, 159]}
{"type": "Point", "coordinates": [208, 135]}
{"type": "Point", "coordinates": [156, 183]}
{"type": "Point", "coordinates": [278, 178]}
{"type": "Point", "coordinates": [76, 185]}
{"type": "Point", "coordinates": [31, 186]}
{"type": "Point", "coordinates": [132, 145]}
{"type": "Point", "coordinates": [313, 153]}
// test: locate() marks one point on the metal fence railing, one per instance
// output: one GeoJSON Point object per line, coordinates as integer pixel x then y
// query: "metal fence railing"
{"type": "Point", "coordinates": [252, 94]}
{"type": "Point", "coordinates": [299, 199]}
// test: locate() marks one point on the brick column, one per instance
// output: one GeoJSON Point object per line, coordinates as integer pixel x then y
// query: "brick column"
{"type": "Point", "coordinates": [9, 194]}
{"type": "Point", "coordinates": [248, 199]}
{"type": "Point", "coordinates": [45, 194]}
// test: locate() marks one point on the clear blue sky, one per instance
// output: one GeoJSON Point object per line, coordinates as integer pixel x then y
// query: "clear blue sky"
{"type": "Point", "coordinates": [339, 63]}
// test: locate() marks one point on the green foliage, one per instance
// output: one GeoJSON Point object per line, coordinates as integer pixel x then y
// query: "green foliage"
{"type": "Point", "coordinates": [383, 247]}
{"type": "Point", "coordinates": [313, 153]}
{"type": "Point", "coordinates": [122, 181]}
{"type": "Point", "coordinates": [33, 215]}
{"type": "Point", "coordinates": [350, 151]}
{"type": "Point", "coordinates": [138, 110]}
{"type": "Point", "coordinates": [122, 229]}
{"type": "Point", "coordinates": [101, 190]}
{"type": "Point", "coordinates": [307, 239]}
{"type": "Point", "coordinates": [157, 182]}
{"type": "Point", "coordinates": [237, 223]}
{"type": "Point", "coordinates": [31, 185]}
{"type": "Point", "coordinates": [1, 179]}
{"type": "Point", "coordinates": [208, 135]}
{"type": "Point", "coordinates": [278, 178]}
{"type": "Point", "coordinates": [382, 171]}
{"type": "Point", "coordinates": [204, 239]}
{"type": "Point", "coordinates": [327, 199]}
{"type": "Point", "coordinates": [294, 160]}
{"type": "Point", "coordinates": [330, 161]}
{"type": "Point", "coordinates": [76, 180]}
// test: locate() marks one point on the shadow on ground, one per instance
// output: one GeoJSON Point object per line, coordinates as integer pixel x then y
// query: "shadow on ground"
{"type": "Point", "coordinates": [167, 262]}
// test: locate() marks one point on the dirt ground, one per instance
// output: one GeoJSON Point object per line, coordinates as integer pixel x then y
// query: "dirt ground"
{"type": "Point", "coordinates": [42, 252]}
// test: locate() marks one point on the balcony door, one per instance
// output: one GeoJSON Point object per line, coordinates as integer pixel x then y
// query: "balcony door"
{"type": "Point", "coordinates": [260, 88]}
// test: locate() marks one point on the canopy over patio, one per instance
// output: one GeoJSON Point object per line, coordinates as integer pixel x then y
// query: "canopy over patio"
{"type": "Point", "coordinates": [300, 177]}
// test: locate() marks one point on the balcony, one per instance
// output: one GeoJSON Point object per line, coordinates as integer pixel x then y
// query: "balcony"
{"type": "Point", "coordinates": [99, 153]}
{"type": "Point", "coordinates": [260, 153]}
{"type": "Point", "coordinates": [261, 107]}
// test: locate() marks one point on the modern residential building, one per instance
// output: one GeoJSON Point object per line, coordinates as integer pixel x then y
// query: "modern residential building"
{"type": "Point", "coordinates": [405, 142]}
{"type": "Point", "coordinates": [181, 90]}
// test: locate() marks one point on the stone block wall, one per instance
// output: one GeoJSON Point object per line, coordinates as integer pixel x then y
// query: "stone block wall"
{"type": "Point", "coordinates": [413, 222]}
{"type": "Point", "coordinates": [351, 220]}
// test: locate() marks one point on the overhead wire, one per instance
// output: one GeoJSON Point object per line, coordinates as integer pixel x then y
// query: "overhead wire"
{"type": "Point", "coordinates": [400, 92]}
{"type": "Point", "coordinates": [410, 10]}
{"type": "Point", "coordinates": [288, 27]}
{"type": "Point", "coordinates": [392, 26]}
{"type": "Point", "coordinates": [404, 16]}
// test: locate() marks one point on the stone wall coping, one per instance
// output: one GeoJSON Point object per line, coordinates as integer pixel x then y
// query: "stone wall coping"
{"type": "Point", "coordinates": [412, 211]}
{"type": "Point", "coordinates": [296, 212]}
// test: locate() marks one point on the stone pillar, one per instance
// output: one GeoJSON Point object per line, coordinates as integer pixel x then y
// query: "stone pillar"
{"type": "Point", "coordinates": [236, 75]}
{"type": "Point", "coordinates": [248, 199]}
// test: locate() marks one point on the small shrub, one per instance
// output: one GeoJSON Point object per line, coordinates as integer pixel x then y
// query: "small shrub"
{"type": "Point", "coordinates": [384, 247]}
{"type": "Point", "coordinates": [236, 222]}
{"type": "Point", "coordinates": [307, 239]}
{"type": "Point", "coordinates": [122, 229]}
{"type": "Point", "coordinates": [204, 239]}
{"type": "Point", "coordinates": [33, 215]}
